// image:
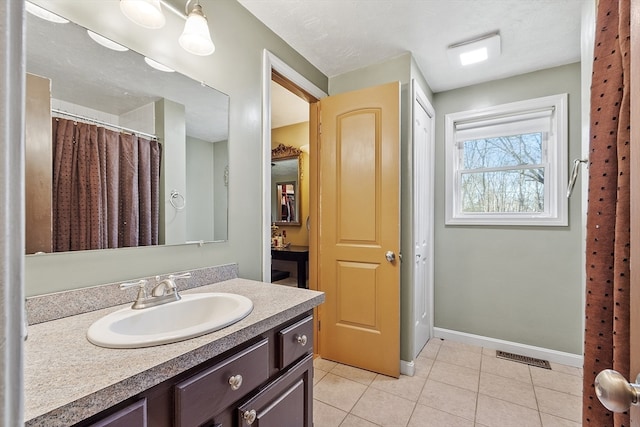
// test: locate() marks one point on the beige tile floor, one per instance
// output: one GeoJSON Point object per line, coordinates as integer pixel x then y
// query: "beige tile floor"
{"type": "Point", "coordinates": [455, 385]}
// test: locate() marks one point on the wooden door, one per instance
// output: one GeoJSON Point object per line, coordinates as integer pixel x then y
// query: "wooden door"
{"type": "Point", "coordinates": [358, 224]}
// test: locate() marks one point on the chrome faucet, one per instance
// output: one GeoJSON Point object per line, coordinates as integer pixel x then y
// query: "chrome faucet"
{"type": "Point", "coordinates": [163, 291]}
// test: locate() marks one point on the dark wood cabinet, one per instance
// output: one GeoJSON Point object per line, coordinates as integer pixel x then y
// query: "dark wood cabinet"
{"type": "Point", "coordinates": [299, 254]}
{"type": "Point", "coordinates": [203, 395]}
{"type": "Point", "coordinates": [267, 381]}
{"type": "Point", "coordinates": [285, 402]}
{"type": "Point", "coordinates": [295, 341]}
{"type": "Point", "coordinates": [134, 414]}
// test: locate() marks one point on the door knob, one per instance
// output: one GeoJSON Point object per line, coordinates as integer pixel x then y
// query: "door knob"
{"type": "Point", "coordinates": [390, 256]}
{"type": "Point", "coordinates": [615, 392]}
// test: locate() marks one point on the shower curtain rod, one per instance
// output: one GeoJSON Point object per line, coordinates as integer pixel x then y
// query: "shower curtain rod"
{"type": "Point", "coordinates": [100, 122]}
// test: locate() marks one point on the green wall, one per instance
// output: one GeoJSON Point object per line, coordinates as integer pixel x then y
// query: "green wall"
{"type": "Point", "coordinates": [236, 69]}
{"type": "Point", "coordinates": [520, 284]}
{"type": "Point", "coordinates": [200, 171]}
{"type": "Point", "coordinates": [220, 190]}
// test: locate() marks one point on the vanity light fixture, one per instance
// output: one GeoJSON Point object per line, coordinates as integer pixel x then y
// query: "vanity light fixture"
{"type": "Point", "coordinates": [109, 44]}
{"type": "Point", "coordinates": [158, 66]}
{"type": "Point", "coordinates": [196, 38]}
{"type": "Point", "coordinates": [44, 14]}
{"type": "Point", "coordinates": [146, 13]}
{"type": "Point", "coordinates": [477, 50]}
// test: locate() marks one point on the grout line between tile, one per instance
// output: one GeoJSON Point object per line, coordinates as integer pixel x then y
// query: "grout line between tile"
{"type": "Point", "coordinates": [475, 412]}
{"type": "Point", "coordinates": [415, 404]}
{"type": "Point", "coordinates": [535, 394]}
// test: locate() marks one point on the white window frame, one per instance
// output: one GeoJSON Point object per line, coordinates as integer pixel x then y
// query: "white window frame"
{"type": "Point", "coordinates": [556, 166]}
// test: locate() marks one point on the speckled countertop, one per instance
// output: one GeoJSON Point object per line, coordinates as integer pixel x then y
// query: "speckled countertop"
{"type": "Point", "coordinates": [68, 379]}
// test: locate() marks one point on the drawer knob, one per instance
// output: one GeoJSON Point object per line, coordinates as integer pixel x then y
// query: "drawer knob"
{"type": "Point", "coordinates": [302, 340]}
{"type": "Point", "coordinates": [235, 382]}
{"type": "Point", "coordinates": [249, 416]}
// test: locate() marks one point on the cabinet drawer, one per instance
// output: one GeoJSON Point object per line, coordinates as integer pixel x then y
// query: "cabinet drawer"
{"type": "Point", "coordinates": [203, 395]}
{"type": "Point", "coordinates": [285, 402]}
{"type": "Point", "coordinates": [295, 341]}
{"type": "Point", "coordinates": [129, 416]}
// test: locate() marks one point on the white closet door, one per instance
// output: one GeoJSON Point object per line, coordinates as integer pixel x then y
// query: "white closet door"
{"type": "Point", "coordinates": [423, 146]}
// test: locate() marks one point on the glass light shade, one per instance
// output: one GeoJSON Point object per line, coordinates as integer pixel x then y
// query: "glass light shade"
{"type": "Point", "coordinates": [158, 66]}
{"type": "Point", "coordinates": [110, 44]}
{"type": "Point", "coordinates": [195, 38]}
{"type": "Point", "coordinates": [44, 14]}
{"type": "Point", "coordinates": [146, 13]}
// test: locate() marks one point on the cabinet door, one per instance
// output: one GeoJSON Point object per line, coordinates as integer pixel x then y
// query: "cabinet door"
{"type": "Point", "coordinates": [286, 402]}
{"type": "Point", "coordinates": [134, 415]}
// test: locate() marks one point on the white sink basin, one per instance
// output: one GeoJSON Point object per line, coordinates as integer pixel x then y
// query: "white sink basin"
{"type": "Point", "coordinates": [192, 316]}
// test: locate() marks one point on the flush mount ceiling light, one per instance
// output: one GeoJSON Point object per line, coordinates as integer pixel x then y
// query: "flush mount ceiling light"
{"type": "Point", "coordinates": [476, 50]}
{"type": "Point", "coordinates": [109, 44]}
{"type": "Point", "coordinates": [146, 13]}
{"type": "Point", "coordinates": [196, 38]}
{"type": "Point", "coordinates": [44, 14]}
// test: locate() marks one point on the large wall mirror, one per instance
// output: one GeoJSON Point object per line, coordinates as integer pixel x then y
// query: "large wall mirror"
{"type": "Point", "coordinates": [285, 183]}
{"type": "Point", "coordinates": [189, 120]}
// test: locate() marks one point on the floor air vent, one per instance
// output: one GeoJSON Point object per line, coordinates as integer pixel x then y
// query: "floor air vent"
{"type": "Point", "coordinates": [523, 359]}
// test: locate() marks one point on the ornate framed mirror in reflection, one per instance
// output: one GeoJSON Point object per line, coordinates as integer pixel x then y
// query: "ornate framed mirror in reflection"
{"type": "Point", "coordinates": [285, 182]}
{"type": "Point", "coordinates": [74, 78]}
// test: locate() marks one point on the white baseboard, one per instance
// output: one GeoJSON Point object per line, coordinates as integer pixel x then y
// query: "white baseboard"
{"type": "Point", "coordinates": [555, 356]}
{"type": "Point", "coordinates": [407, 368]}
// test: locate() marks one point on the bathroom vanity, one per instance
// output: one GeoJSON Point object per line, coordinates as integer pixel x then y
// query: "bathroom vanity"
{"type": "Point", "coordinates": [257, 371]}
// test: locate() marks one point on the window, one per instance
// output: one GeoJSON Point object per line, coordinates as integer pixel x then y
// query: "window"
{"type": "Point", "coordinates": [507, 165]}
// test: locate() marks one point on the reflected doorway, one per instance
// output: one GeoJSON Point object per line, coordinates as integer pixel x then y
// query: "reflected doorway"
{"type": "Point", "coordinates": [290, 224]}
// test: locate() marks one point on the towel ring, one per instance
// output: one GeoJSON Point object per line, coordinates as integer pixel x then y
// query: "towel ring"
{"type": "Point", "coordinates": [177, 200]}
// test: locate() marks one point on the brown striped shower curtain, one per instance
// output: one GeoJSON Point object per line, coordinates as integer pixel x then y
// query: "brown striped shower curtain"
{"type": "Point", "coordinates": [608, 217]}
{"type": "Point", "coordinates": [105, 188]}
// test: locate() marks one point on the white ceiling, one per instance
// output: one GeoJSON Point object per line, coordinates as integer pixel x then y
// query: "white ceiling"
{"type": "Point", "coordinates": [286, 107]}
{"type": "Point", "coordinates": [343, 35]}
{"type": "Point", "coordinates": [338, 36]}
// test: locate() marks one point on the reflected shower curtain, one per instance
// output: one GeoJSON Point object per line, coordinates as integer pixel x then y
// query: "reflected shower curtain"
{"type": "Point", "coordinates": [608, 214]}
{"type": "Point", "coordinates": [105, 188]}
